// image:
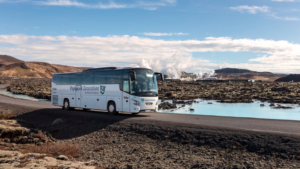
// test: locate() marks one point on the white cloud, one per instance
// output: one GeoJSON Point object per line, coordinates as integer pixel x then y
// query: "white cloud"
{"type": "Point", "coordinates": [171, 1]}
{"type": "Point", "coordinates": [164, 34]}
{"type": "Point", "coordinates": [251, 9]}
{"type": "Point", "coordinates": [262, 9]}
{"type": "Point", "coordinates": [110, 4]}
{"type": "Point", "coordinates": [13, 1]}
{"type": "Point", "coordinates": [280, 56]}
{"type": "Point", "coordinates": [286, 18]}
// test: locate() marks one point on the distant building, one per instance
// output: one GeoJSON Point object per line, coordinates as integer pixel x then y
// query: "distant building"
{"type": "Point", "coordinates": [254, 80]}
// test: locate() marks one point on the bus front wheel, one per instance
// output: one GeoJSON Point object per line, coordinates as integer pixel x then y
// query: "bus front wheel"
{"type": "Point", "coordinates": [111, 108]}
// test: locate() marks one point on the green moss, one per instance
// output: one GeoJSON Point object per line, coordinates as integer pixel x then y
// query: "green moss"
{"type": "Point", "coordinates": [23, 72]}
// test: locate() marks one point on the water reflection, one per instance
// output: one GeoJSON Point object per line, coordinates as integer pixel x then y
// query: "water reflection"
{"type": "Point", "coordinates": [252, 110]}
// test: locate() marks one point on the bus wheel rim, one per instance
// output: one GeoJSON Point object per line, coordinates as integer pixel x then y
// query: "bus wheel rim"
{"type": "Point", "coordinates": [111, 108]}
{"type": "Point", "coordinates": [66, 104]}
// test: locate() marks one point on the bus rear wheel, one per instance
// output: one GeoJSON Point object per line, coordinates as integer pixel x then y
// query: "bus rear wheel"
{"type": "Point", "coordinates": [111, 108]}
{"type": "Point", "coordinates": [66, 104]}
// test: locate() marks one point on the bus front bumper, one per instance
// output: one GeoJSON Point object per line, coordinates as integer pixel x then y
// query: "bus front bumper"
{"type": "Point", "coordinates": [137, 109]}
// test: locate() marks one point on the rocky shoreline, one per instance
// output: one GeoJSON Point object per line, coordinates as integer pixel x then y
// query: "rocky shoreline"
{"type": "Point", "coordinates": [38, 88]}
{"type": "Point", "coordinates": [110, 143]}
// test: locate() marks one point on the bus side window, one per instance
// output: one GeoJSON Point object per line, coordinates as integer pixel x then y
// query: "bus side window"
{"type": "Point", "coordinates": [115, 77]}
{"type": "Point", "coordinates": [125, 75]}
{"type": "Point", "coordinates": [78, 79]}
{"type": "Point", "coordinates": [126, 86]}
{"type": "Point", "coordinates": [100, 77]}
{"type": "Point", "coordinates": [65, 79]}
{"type": "Point", "coordinates": [56, 79]}
{"type": "Point", "coordinates": [87, 78]}
{"type": "Point", "coordinates": [73, 79]}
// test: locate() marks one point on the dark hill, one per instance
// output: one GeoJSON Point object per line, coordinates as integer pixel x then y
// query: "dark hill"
{"type": "Point", "coordinates": [233, 70]}
{"type": "Point", "coordinates": [291, 77]}
{"type": "Point", "coordinates": [6, 58]}
{"type": "Point", "coordinates": [245, 74]}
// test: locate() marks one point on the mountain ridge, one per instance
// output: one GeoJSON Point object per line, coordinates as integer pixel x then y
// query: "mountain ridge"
{"type": "Point", "coordinates": [9, 59]}
{"type": "Point", "coordinates": [237, 70]}
{"type": "Point", "coordinates": [12, 67]}
{"type": "Point", "coordinates": [289, 78]}
{"type": "Point", "coordinates": [245, 74]}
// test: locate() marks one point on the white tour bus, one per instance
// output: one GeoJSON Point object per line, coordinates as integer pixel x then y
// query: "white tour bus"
{"type": "Point", "coordinates": [110, 88]}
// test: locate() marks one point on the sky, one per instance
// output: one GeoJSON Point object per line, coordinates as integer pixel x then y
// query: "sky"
{"type": "Point", "coordinates": [186, 35]}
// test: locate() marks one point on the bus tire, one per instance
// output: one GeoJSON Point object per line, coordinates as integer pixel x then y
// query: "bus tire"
{"type": "Point", "coordinates": [111, 108]}
{"type": "Point", "coordinates": [66, 104]}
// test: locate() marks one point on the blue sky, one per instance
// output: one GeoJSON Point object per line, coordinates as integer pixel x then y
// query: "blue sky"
{"type": "Point", "coordinates": [260, 35]}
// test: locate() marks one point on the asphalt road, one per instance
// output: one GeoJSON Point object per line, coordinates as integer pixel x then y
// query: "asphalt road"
{"type": "Point", "coordinates": [252, 124]}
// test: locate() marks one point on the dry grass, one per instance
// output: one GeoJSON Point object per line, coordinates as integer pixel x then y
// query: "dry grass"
{"type": "Point", "coordinates": [38, 135]}
{"type": "Point", "coordinates": [24, 161]}
{"type": "Point", "coordinates": [40, 157]}
{"type": "Point", "coordinates": [7, 116]}
{"type": "Point", "coordinates": [99, 149]}
{"type": "Point", "coordinates": [54, 167]}
{"type": "Point", "coordinates": [2, 147]}
{"type": "Point", "coordinates": [97, 167]}
{"type": "Point", "coordinates": [54, 150]}
{"type": "Point", "coordinates": [21, 72]}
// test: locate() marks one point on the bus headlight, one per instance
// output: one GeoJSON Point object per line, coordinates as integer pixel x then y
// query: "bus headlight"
{"type": "Point", "coordinates": [135, 102]}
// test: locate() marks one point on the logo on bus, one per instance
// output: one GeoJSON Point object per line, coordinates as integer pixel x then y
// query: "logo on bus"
{"type": "Point", "coordinates": [142, 100]}
{"type": "Point", "coordinates": [102, 89]}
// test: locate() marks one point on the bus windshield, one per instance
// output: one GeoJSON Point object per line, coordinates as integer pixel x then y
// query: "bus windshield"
{"type": "Point", "coordinates": [145, 84]}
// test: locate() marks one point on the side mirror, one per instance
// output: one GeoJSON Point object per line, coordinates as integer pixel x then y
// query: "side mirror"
{"type": "Point", "coordinates": [161, 76]}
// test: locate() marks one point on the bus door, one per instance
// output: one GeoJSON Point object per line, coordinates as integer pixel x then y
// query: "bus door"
{"type": "Point", "coordinates": [126, 96]}
{"type": "Point", "coordinates": [78, 96]}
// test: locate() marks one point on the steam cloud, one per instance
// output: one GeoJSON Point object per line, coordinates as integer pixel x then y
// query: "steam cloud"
{"type": "Point", "coordinates": [175, 65]}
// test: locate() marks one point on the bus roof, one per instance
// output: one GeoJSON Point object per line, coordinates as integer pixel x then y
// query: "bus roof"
{"type": "Point", "coordinates": [109, 68]}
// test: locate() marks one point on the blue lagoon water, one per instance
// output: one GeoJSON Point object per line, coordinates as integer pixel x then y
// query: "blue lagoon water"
{"type": "Point", "coordinates": [252, 110]}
